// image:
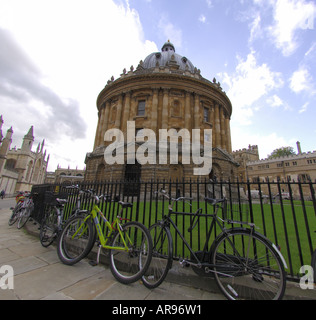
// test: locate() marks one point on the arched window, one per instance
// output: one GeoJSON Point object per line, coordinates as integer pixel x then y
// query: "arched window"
{"type": "Point", "coordinates": [29, 171]}
{"type": "Point", "coordinates": [10, 164]}
{"type": "Point", "coordinates": [132, 179]}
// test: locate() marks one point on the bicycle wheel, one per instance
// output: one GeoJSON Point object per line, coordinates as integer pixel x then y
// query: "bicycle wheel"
{"type": "Point", "coordinates": [14, 217]}
{"type": "Point", "coordinates": [23, 217]}
{"type": "Point", "coordinates": [76, 240]}
{"type": "Point", "coordinates": [162, 255]}
{"type": "Point", "coordinates": [49, 227]}
{"type": "Point", "coordinates": [247, 266]}
{"type": "Point", "coordinates": [129, 266]}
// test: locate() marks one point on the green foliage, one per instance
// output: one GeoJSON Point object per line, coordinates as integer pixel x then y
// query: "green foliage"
{"type": "Point", "coordinates": [281, 152]}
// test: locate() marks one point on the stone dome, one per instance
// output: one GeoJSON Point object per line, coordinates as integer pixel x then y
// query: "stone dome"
{"type": "Point", "coordinates": [168, 57]}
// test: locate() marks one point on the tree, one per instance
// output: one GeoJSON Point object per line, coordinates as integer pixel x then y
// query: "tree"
{"type": "Point", "coordinates": [281, 152]}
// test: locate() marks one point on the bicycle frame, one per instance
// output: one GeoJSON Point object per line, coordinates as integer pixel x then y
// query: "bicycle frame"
{"type": "Point", "coordinates": [215, 220]}
{"type": "Point", "coordinates": [102, 238]}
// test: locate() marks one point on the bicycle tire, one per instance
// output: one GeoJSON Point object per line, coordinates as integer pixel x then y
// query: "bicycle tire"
{"type": "Point", "coordinates": [49, 227]}
{"type": "Point", "coordinates": [14, 217]}
{"type": "Point", "coordinates": [162, 256]}
{"type": "Point", "coordinates": [23, 217]}
{"type": "Point", "coordinates": [128, 267]}
{"type": "Point", "coordinates": [72, 250]}
{"type": "Point", "coordinates": [247, 267]}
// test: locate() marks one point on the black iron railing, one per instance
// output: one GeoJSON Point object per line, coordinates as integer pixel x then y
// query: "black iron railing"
{"type": "Point", "coordinates": [284, 211]}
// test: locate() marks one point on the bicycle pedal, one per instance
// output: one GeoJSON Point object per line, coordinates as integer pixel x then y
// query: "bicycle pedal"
{"type": "Point", "coordinates": [93, 263]}
{"type": "Point", "coordinates": [183, 263]}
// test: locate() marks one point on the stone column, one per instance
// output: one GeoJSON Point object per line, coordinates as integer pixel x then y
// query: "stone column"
{"type": "Point", "coordinates": [154, 111]}
{"type": "Point", "coordinates": [217, 127]}
{"type": "Point", "coordinates": [99, 134]}
{"type": "Point", "coordinates": [104, 123]}
{"type": "Point", "coordinates": [196, 111]}
{"type": "Point", "coordinates": [228, 136]}
{"type": "Point", "coordinates": [165, 111]}
{"type": "Point", "coordinates": [187, 116]}
{"type": "Point", "coordinates": [126, 112]}
{"type": "Point", "coordinates": [119, 112]}
{"type": "Point", "coordinates": [213, 125]}
{"type": "Point", "coordinates": [223, 131]}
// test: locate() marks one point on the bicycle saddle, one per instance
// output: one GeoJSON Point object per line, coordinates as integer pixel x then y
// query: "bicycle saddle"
{"type": "Point", "coordinates": [213, 201]}
{"type": "Point", "coordinates": [61, 201]}
{"type": "Point", "coordinates": [125, 204]}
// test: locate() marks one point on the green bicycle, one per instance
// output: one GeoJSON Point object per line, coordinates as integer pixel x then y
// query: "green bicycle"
{"type": "Point", "coordinates": [129, 244]}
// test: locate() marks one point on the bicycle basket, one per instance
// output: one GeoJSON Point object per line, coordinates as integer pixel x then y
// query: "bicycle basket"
{"type": "Point", "coordinates": [236, 211]}
{"type": "Point", "coordinates": [50, 197]}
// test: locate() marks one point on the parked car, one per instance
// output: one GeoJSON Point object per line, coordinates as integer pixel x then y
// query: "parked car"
{"type": "Point", "coordinates": [284, 195]}
{"type": "Point", "coordinates": [256, 194]}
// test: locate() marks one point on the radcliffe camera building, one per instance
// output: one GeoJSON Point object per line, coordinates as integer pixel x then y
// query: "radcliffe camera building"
{"type": "Point", "coordinates": [165, 91]}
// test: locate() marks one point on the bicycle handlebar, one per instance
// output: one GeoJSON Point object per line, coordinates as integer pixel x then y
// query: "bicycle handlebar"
{"type": "Point", "coordinates": [164, 193]}
{"type": "Point", "coordinates": [92, 193]}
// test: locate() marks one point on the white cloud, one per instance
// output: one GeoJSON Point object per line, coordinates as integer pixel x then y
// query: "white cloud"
{"type": "Point", "coordinates": [209, 3]}
{"type": "Point", "coordinates": [255, 29]}
{"type": "Point", "coordinates": [248, 84]}
{"type": "Point", "coordinates": [311, 50]}
{"type": "Point", "coordinates": [304, 107]}
{"type": "Point", "coordinates": [74, 47]}
{"type": "Point", "coordinates": [290, 16]}
{"type": "Point", "coordinates": [274, 101]}
{"type": "Point", "coordinates": [301, 80]}
{"type": "Point", "coordinates": [170, 31]}
{"type": "Point", "coordinates": [266, 142]}
{"type": "Point", "coordinates": [202, 18]}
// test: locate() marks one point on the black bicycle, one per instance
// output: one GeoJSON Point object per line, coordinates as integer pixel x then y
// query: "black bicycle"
{"type": "Point", "coordinates": [53, 220]}
{"type": "Point", "coordinates": [245, 264]}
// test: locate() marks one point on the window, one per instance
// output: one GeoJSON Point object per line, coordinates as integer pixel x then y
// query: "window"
{"type": "Point", "coordinates": [304, 177]}
{"type": "Point", "coordinates": [141, 108]}
{"type": "Point", "coordinates": [206, 115]}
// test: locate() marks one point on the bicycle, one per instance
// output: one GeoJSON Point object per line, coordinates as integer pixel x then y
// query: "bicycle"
{"type": "Point", "coordinates": [22, 210]}
{"type": "Point", "coordinates": [130, 247]}
{"type": "Point", "coordinates": [15, 211]}
{"type": "Point", "coordinates": [53, 219]}
{"type": "Point", "coordinates": [245, 264]}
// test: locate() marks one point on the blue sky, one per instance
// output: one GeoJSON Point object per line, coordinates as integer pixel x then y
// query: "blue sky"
{"type": "Point", "coordinates": [59, 55]}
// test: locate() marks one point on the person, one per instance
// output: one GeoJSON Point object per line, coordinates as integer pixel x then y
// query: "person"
{"type": "Point", "coordinates": [2, 194]}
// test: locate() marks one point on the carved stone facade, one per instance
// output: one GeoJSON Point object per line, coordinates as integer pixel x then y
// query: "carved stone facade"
{"type": "Point", "coordinates": [21, 168]}
{"type": "Point", "coordinates": [165, 91]}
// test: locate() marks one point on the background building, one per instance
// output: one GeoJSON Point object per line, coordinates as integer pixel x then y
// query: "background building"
{"type": "Point", "coordinates": [65, 176]}
{"type": "Point", "coordinates": [21, 168]}
{"type": "Point", "coordinates": [297, 167]}
{"type": "Point", "coordinates": [165, 91]}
